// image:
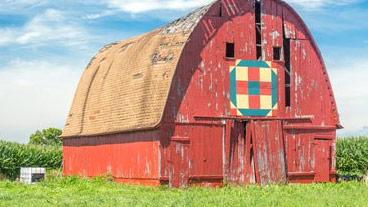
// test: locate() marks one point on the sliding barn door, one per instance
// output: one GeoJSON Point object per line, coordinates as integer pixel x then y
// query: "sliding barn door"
{"type": "Point", "coordinates": [269, 152]}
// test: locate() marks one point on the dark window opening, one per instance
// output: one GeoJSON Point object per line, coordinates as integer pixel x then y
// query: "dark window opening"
{"type": "Point", "coordinates": [258, 10]}
{"type": "Point", "coordinates": [287, 96]}
{"type": "Point", "coordinates": [230, 50]}
{"type": "Point", "coordinates": [277, 53]}
{"type": "Point", "coordinates": [259, 53]}
{"type": "Point", "coordinates": [258, 15]}
{"type": "Point", "coordinates": [218, 12]}
{"type": "Point", "coordinates": [287, 72]}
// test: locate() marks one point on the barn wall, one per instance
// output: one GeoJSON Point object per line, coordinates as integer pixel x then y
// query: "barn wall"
{"type": "Point", "coordinates": [192, 154]}
{"type": "Point", "coordinates": [201, 89]}
{"type": "Point", "coordinates": [132, 157]}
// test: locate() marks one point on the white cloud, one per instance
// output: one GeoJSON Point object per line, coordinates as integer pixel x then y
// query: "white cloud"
{"type": "Point", "coordinates": [105, 13]}
{"type": "Point", "coordinates": [35, 95]}
{"type": "Point", "coordinates": [20, 4]}
{"type": "Point", "coordinates": [49, 27]}
{"type": "Point", "coordinates": [134, 6]}
{"type": "Point", "coordinates": [315, 4]}
{"type": "Point", "coordinates": [350, 87]}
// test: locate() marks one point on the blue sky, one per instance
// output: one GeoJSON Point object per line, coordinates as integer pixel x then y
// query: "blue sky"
{"type": "Point", "coordinates": [46, 44]}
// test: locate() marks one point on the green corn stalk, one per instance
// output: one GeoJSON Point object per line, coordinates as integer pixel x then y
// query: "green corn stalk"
{"type": "Point", "coordinates": [352, 156]}
{"type": "Point", "coordinates": [13, 156]}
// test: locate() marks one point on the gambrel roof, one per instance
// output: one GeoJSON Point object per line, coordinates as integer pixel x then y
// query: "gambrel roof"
{"type": "Point", "coordinates": [126, 85]}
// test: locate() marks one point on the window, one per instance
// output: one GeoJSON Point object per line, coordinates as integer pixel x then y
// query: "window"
{"type": "Point", "coordinates": [277, 53]}
{"type": "Point", "coordinates": [220, 11]}
{"type": "Point", "coordinates": [230, 50]}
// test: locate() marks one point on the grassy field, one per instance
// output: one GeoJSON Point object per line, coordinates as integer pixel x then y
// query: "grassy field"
{"type": "Point", "coordinates": [79, 192]}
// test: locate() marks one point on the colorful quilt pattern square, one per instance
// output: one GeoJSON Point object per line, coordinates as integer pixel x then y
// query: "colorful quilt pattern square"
{"type": "Point", "coordinates": [253, 88]}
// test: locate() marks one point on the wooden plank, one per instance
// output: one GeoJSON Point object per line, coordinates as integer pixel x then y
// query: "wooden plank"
{"type": "Point", "coordinates": [311, 127]}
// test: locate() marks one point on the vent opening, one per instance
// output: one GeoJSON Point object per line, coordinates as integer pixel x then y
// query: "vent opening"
{"type": "Point", "coordinates": [258, 15]}
{"type": "Point", "coordinates": [230, 50]}
{"type": "Point", "coordinates": [287, 72]}
{"type": "Point", "coordinates": [220, 11]}
{"type": "Point", "coordinates": [287, 68]}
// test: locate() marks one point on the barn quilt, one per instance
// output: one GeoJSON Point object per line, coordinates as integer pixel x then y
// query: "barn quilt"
{"type": "Point", "coordinates": [253, 88]}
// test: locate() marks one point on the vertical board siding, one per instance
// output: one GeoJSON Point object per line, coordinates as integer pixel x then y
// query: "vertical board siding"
{"type": "Point", "coordinates": [269, 152]}
{"type": "Point", "coordinates": [196, 151]}
{"type": "Point", "coordinates": [125, 156]}
{"type": "Point", "coordinates": [237, 160]}
{"type": "Point", "coordinates": [272, 27]}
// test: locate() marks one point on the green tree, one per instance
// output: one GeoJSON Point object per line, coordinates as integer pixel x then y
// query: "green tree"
{"type": "Point", "coordinates": [50, 136]}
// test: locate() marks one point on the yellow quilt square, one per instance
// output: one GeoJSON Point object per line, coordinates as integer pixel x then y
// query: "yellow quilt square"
{"type": "Point", "coordinates": [265, 75]}
{"type": "Point", "coordinates": [243, 101]}
{"type": "Point", "coordinates": [266, 102]}
{"type": "Point", "coordinates": [242, 73]}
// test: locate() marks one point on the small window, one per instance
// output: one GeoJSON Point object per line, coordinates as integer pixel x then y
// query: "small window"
{"type": "Point", "coordinates": [230, 50]}
{"type": "Point", "coordinates": [277, 53]}
{"type": "Point", "coordinates": [220, 11]}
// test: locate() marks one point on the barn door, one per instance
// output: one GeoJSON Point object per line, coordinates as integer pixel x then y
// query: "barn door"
{"type": "Point", "coordinates": [322, 160]}
{"type": "Point", "coordinates": [179, 162]}
{"type": "Point", "coordinates": [269, 152]}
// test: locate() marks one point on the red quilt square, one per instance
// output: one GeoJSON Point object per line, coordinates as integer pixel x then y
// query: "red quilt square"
{"type": "Point", "coordinates": [242, 87]}
{"type": "Point", "coordinates": [254, 102]}
{"type": "Point", "coordinates": [265, 88]}
{"type": "Point", "coordinates": [253, 74]}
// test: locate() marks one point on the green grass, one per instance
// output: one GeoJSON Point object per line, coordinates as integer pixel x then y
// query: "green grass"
{"type": "Point", "coordinates": [99, 192]}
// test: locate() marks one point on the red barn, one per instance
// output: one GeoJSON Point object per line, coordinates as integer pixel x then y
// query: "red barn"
{"type": "Point", "coordinates": [235, 92]}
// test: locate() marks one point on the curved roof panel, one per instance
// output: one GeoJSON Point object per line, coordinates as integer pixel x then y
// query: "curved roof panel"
{"type": "Point", "coordinates": [125, 86]}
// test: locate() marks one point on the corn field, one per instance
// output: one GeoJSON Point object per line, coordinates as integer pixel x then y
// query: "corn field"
{"type": "Point", "coordinates": [13, 156]}
{"type": "Point", "coordinates": [352, 156]}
